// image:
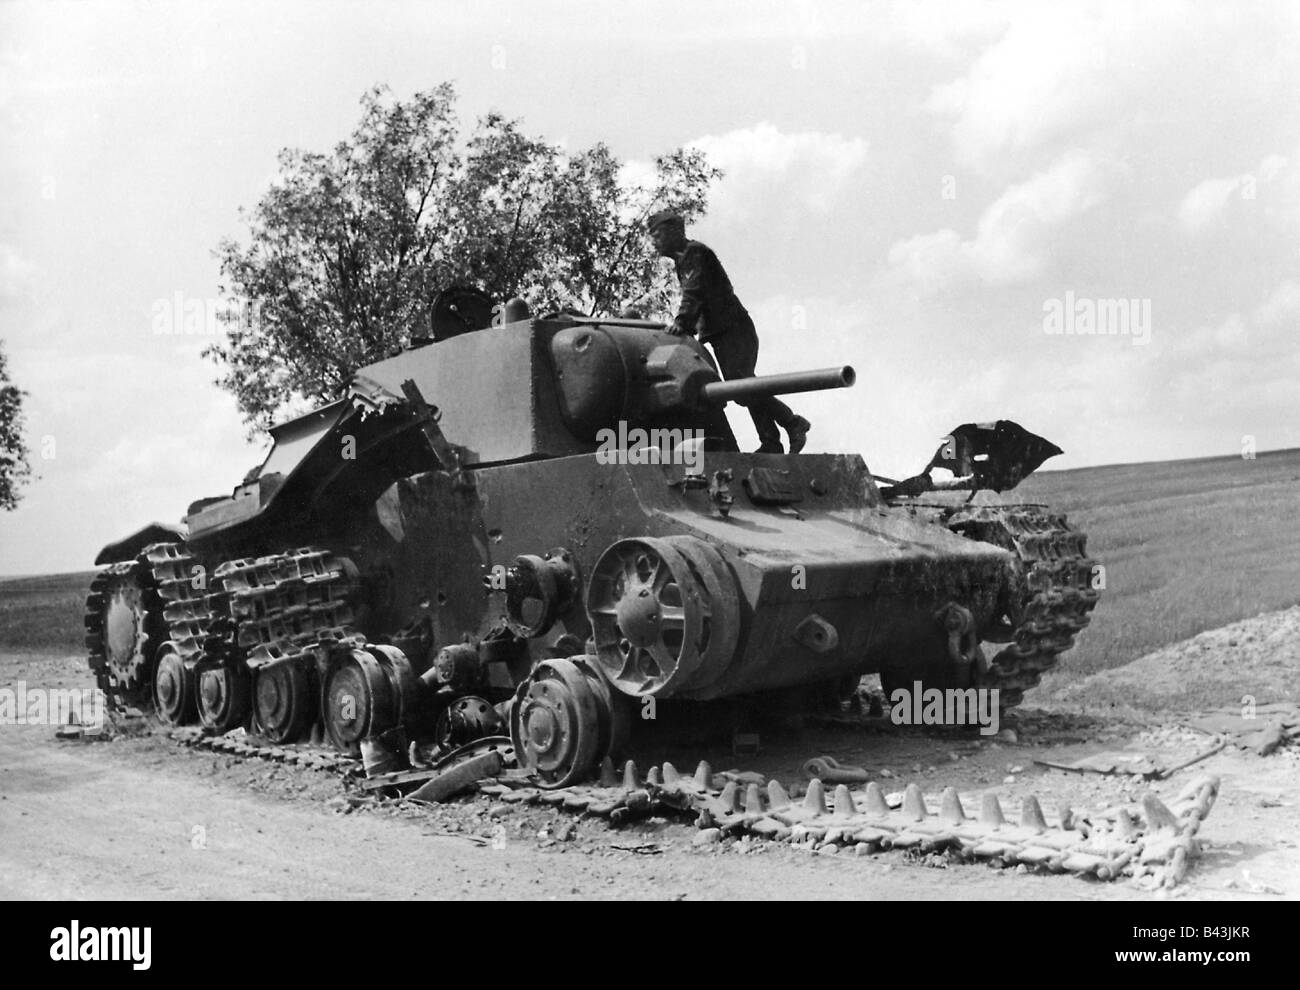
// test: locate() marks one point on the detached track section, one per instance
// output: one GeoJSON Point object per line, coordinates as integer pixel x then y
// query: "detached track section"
{"type": "Point", "coordinates": [1053, 596]}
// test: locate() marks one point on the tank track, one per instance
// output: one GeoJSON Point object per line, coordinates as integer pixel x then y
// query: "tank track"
{"type": "Point", "coordinates": [281, 606]}
{"type": "Point", "coordinates": [265, 608]}
{"type": "Point", "coordinates": [276, 607]}
{"type": "Point", "coordinates": [250, 747]}
{"type": "Point", "coordinates": [192, 614]}
{"type": "Point", "coordinates": [1052, 599]}
{"type": "Point", "coordinates": [1151, 841]}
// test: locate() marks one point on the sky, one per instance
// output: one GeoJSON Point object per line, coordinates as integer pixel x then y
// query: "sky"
{"type": "Point", "coordinates": [947, 197]}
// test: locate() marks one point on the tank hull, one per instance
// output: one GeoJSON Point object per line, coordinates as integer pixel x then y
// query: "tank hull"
{"type": "Point", "coordinates": [874, 575]}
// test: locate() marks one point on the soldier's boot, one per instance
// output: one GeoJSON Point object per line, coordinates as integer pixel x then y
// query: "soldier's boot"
{"type": "Point", "coordinates": [797, 433]}
{"type": "Point", "coordinates": [769, 435]}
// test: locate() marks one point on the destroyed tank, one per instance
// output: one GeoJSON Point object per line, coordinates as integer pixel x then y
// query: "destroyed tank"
{"type": "Point", "coordinates": [545, 527]}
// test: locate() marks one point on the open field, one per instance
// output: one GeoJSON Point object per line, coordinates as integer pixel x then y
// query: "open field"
{"type": "Point", "coordinates": [1187, 546]}
{"type": "Point", "coordinates": [43, 613]}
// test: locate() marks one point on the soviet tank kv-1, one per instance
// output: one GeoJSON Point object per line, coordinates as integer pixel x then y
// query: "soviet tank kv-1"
{"type": "Point", "coordinates": [547, 521]}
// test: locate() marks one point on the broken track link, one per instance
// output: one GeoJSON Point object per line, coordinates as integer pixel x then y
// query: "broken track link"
{"type": "Point", "coordinates": [124, 628]}
{"type": "Point", "coordinates": [1051, 600]}
{"type": "Point", "coordinates": [1150, 840]}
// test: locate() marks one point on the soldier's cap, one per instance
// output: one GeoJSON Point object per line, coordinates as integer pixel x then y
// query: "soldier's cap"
{"type": "Point", "coordinates": [663, 217]}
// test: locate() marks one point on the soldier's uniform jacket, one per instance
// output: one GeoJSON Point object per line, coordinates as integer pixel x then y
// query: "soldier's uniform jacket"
{"type": "Point", "coordinates": [709, 305]}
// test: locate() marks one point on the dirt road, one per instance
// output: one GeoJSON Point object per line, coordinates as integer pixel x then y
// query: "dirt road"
{"type": "Point", "coordinates": [145, 818]}
{"type": "Point", "coordinates": [78, 821]}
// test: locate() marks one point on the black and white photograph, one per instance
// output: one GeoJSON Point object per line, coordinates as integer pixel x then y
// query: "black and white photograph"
{"type": "Point", "coordinates": [651, 451]}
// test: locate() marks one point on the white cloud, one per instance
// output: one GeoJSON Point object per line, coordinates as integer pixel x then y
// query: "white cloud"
{"type": "Point", "coordinates": [118, 440]}
{"type": "Point", "coordinates": [1282, 308]}
{"type": "Point", "coordinates": [1069, 73]}
{"type": "Point", "coordinates": [942, 28]}
{"type": "Point", "coordinates": [17, 275]}
{"type": "Point", "coordinates": [767, 168]}
{"type": "Point", "coordinates": [1045, 77]}
{"type": "Point", "coordinates": [1014, 233]}
{"type": "Point", "coordinates": [1246, 358]}
{"type": "Point", "coordinates": [1272, 190]}
{"type": "Point", "coordinates": [1207, 202]}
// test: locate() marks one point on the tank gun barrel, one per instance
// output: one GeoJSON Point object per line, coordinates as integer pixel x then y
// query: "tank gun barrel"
{"type": "Point", "coordinates": [742, 389]}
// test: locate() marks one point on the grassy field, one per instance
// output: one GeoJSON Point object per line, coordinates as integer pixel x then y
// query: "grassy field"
{"type": "Point", "coordinates": [43, 613]}
{"type": "Point", "coordinates": [1187, 545]}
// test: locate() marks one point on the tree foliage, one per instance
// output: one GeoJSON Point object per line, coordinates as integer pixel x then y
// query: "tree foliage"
{"type": "Point", "coordinates": [15, 469]}
{"type": "Point", "coordinates": [346, 250]}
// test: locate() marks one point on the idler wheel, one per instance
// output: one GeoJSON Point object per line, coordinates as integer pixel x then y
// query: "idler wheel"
{"type": "Point", "coordinates": [223, 692]}
{"type": "Point", "coordinates": [356, 701]}
{"type": "Point", "coordinates": [174, 687]}
{"type": "Point", "coordinates": [664, 614]}
{"type": "Point", "coordinates": [283, 701]}
{"type": "Point", "coordinates": [721, 630]}
{"type": "Point", "coordinates": [555, 723]}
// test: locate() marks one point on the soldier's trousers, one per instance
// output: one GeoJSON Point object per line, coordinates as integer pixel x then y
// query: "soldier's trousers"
{"type": "Point", "coordinates": [736, 351]}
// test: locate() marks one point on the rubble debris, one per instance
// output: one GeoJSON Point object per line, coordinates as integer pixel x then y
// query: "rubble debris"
{"type": "Point", "coordinates": [376, 758]}
{"type": "Point", "coordinates": [1266, 740]}
{"type": "Point", "coordinates": [1133, 764]}
{"type": "Point", "coordinates": [427, 771]}
{"type": "Point", "coordinates": [459, 778]}
{"type": "Point", "coordinates": [73, 732]}
{"type": "Point", "coordinates": [1111, 763]}
{"type": "Point", "coordinates": [1262, 729]}
{"type": "Point", "coordinates": [827, 769]}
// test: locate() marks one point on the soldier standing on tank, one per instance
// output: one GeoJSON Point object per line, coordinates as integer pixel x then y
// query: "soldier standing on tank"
{"type": "Point", "coordinates": [709, 306]}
